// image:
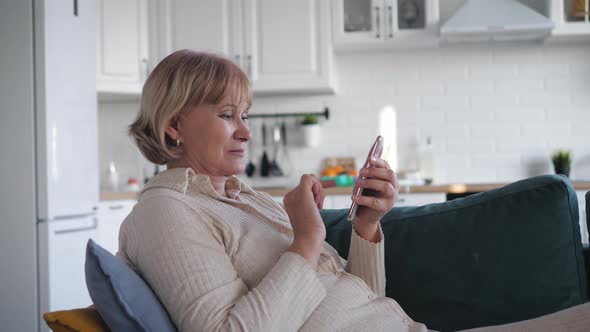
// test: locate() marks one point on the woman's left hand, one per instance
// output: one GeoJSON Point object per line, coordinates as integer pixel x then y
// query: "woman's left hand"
{"type": "Point", "coordinates": [380, 192]}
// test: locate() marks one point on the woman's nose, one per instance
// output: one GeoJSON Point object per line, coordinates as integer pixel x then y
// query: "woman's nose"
{"type": "Point", "coordinates": [243, 133]}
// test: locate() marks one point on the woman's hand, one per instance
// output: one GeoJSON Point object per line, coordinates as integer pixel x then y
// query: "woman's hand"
{"type": "Point", "coordinates": [380, 193]}
{"type": "Point", "coordinates": [302, 204]}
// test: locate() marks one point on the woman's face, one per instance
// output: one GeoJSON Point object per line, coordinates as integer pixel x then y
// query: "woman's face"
{"type": "Point", "coordinates": [214, 137]}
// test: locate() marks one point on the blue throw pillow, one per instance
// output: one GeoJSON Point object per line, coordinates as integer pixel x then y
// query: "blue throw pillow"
{"type": "Point", "coordinates": [123, 300]}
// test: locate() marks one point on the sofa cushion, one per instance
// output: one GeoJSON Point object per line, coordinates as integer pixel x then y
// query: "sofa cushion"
{"type": "Point", "coordinates": [123, 299]}
{"type": "Point", "coordinates": [84, 319]}
{"type": "Point", "coordinates": [497, 257]}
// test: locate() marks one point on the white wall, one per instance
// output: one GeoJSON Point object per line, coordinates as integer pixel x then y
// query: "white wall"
{"type": "Point", "coordinates": [495, 113]}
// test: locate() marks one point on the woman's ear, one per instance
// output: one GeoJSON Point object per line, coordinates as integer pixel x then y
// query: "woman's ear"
{"type": "Point", "coordinates": [172, 129]}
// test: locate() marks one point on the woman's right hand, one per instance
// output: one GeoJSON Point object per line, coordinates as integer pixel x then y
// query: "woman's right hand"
{"type": "Point", "coordinates": [302, 205]}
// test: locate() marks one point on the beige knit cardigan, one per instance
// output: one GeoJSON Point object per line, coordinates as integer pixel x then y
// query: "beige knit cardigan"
{"type": "Point", "coordinates": [220, 264]}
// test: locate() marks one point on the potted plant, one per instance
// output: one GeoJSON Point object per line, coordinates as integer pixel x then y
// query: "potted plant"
{"type": "Point", "coordinates": [562, 162]}
{"type": "Point", "coordinates": [311, 130]}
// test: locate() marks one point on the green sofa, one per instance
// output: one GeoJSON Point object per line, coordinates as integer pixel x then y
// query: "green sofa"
{"type": "Point", "coordinates": [501, 256]}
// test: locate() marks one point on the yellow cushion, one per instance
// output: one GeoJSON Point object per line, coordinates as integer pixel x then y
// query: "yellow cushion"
{"type": "Point", "coordinates": [76, 320]}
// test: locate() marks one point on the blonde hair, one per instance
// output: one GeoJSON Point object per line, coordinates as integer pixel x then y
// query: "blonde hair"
{"type": "Point", "coordinates": [181, 81]}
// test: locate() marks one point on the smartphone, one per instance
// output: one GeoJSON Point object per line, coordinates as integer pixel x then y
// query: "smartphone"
{"type": "Point", "coordinates": [375, 152]}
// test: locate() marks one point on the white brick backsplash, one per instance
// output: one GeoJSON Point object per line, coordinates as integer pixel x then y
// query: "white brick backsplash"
{"type": "Point", "coordinates": [410, 87]}
{"type": "Point", "coordinates": [493, 102]}
{"type": "Point", "coordinates": [468, 115]}
{"type": "Point", "coordinates": [581, 128]}
{"type": "Point", "coordinates": [471, 146]}
{"type": "Point", "coordinates": [492, 71]}
{"type": "Point", "coordinates": [444, 102]}
{"type": "Point", "coordinates": [522, 145]}
{"type": "Point", "coordinates": [468, 87]}
{"type": "Point", "coordinates": [494, 129]}
{"type": "Point", "coordinates": [495, 113]}
{"type": "Point", "coordinates": [499, 160]}
{"type": "Point", "coordinates": [565, 55]}
{"type": "Point", "coordinates": [575, 85]}
{"type": "Point", "coordinates": [545, 100]}
{"type": "Point", "coordinates": [449, 130]}
{"type": "Point", "coordinates": [542, 131]}
{"type": "Point", "coordinates": [420, 119]}
{"type": "Point", "coordinates": [454, 57]}
{"type": "Point", "coordinates": [399, 103]}
{"type": "Point", "coordinates": [517, 54]}
{"type": "Point", "coordinates": [574, 114]}
{"type": "Point", "coordinates": [471, 175]}
{"type": "Point", "coordinates": [443, 72]}
{"type": "Point", "coordinates": [581, 100]}
{"type": "Point", "coordinates": [520, 115]}
{"type": "Point", "coordinates": [517, 86]}
{"type": "Point", "coordinates": [528, 70]}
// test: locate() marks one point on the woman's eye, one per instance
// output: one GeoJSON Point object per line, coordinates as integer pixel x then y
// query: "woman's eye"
{"type": "Point", "coordinates": [244, 118]}
{"type": "Point", "coordinates": [226, 116]}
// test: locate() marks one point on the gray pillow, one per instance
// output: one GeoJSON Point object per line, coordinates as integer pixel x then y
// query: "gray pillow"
{"type": "Point", "coordinates": [123, 300]}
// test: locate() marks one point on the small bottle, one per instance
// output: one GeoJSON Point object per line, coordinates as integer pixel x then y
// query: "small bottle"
{"type": "Point", "coordinates": [132, 185]}
{"type": "Point", "coordinates": [112, 177]}
{"type": "Point", "coordinates": [427, 162]}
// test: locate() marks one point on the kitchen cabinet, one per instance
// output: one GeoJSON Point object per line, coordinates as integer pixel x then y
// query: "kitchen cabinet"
{"type": "Point", "coordinates": [62, 251]}
{"type": "Point", "coordinates": [110, 216]}
{"type": "Point", "coordinates": [283, 46]}
{"type": "Point", "coordinates": [411, 199]}
{"type": "Point", "coordinates": [362, 24]}
{"type": "Point", "coordinates": [571, 18]}
{"type": "Point", "coordinates": [122, 47]}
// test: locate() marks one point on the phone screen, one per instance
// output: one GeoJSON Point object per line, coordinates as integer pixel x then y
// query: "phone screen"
{"type": "Point", "coordinates": [375, 152]}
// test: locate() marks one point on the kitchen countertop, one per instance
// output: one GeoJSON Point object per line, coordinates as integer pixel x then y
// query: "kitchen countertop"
{"type": "Point", "coordinates": [455, 188]}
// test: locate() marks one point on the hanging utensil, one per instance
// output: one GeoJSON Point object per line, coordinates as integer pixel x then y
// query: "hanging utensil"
{"type": "Point", "coordinates": [284, 158]}
{"type": "Point", "coordinates": [250, 167]}
{"type": "Point", "coordinates": [275, 169]}
{"type": "Point", "coordinates": [264, 162]}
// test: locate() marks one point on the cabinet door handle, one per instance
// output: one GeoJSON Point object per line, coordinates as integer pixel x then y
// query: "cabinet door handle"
{"type": "Point", "coordinates": [249, 65]}
{"type": "Point", "coordinates": [80, 229]}
{"type": "Point", "coordinates": [377, 22]}
{"type": "Point", "coordinates": [115, 207]}
{"type": "Point", "coordinates": [390, 18]}
{"type": "Point", "coordinates": [237, 59]}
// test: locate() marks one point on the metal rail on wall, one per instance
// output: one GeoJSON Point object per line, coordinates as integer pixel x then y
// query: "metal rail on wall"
{"type": "Point", "coordinates": [325, 113]}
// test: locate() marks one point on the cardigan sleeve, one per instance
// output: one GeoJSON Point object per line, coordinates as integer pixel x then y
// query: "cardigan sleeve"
{"type": "Point", "coordinates": [366, 260]}
{"type": "Point", "coordinates": [185, 262]}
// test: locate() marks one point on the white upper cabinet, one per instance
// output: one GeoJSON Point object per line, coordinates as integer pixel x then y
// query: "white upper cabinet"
{"type": "Point", "coordinates": [571, 17]}
{"type": "Point", "coordinates": [283, 46]}
{"type": "Point", "coordinates": [122, 47]}
{"type": "Point", "coordinates": [361, 24]}
{"type": "Point", "coordinates": [286, 46]}
{"type": "Point", "coordinates": [200, 25]}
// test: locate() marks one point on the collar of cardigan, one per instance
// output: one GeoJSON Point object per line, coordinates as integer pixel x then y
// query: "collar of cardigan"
{"type": "Point", "coordinates": [186, 180]}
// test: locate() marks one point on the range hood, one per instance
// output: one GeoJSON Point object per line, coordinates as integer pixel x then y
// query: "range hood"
{"type": "Point", "coordinates": [495, 20]}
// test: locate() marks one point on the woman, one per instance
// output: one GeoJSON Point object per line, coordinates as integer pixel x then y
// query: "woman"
{"type": "Point", "coordinates": [221, 256]}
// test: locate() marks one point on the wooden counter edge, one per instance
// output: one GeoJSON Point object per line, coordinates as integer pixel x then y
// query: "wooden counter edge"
{"type": "Point", "coordinates": [448, 188]}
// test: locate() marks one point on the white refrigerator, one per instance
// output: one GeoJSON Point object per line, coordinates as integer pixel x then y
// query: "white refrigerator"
{"type": "Point", "coordinates": [49, 146]}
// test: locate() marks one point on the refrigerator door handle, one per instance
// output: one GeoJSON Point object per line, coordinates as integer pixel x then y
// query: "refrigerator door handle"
{"type": "Point", "coordinates": [94, 225]}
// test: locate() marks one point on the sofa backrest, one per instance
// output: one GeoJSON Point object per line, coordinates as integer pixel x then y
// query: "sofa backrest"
{"type": "Point", "coordinates": [501, 256]}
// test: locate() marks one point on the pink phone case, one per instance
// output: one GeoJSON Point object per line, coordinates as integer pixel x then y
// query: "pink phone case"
{"type": "Point", "coordinates": [375, 152]}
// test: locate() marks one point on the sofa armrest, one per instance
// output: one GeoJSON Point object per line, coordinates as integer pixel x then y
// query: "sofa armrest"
{"type": "Point", "coordinates": [486, 259]}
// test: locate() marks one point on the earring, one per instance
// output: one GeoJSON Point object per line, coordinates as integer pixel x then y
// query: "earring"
{"type": "Point", "coordinates": [178, 142]}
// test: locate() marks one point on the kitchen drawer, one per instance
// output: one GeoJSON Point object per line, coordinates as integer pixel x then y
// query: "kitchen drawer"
{"type": "Point", "coordinates": [419, 199]}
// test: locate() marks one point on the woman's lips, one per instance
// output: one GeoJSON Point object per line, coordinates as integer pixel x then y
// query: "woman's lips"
{"type": "Point", "coordinates": [238, 152]}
